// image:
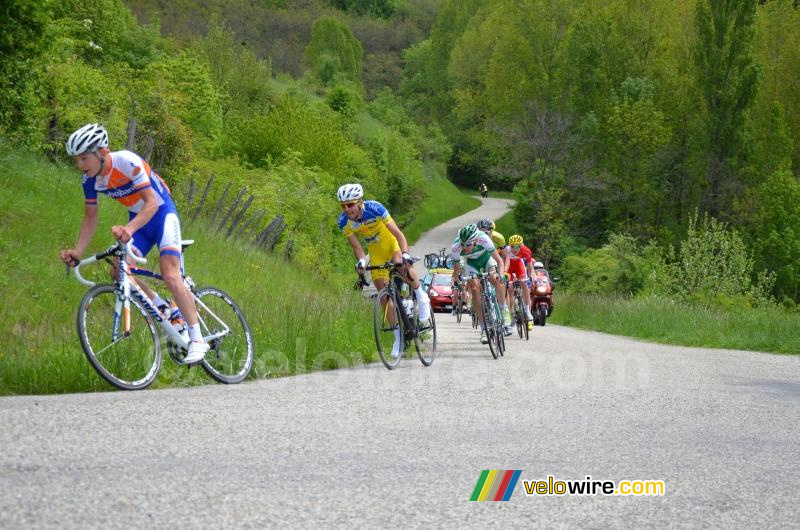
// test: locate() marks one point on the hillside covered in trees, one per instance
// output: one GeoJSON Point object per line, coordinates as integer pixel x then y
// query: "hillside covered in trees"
{"type": "Point", "coordinates": [618, 122]}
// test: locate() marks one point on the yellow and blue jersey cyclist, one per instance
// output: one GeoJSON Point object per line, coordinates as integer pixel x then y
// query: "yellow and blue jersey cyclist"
{"type": "Point", "coordinates": [373, 227]}
{"type": "Point", "coordinates": [385, 242]}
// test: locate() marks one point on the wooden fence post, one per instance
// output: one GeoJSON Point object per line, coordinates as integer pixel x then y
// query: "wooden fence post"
{"type": "Point", "coordinates": [219, 203]}
{"type": "Point", "coordinates": [234, 205]}
{"type": "Point", "coordinates": [131, 143]}
{"type": "Point", "coordinates": [240, 215]}
{"type": "Point", "coordinates": [190, 196]}
{"type": "Point", "coordinates": [254, 220]}
{"type": "Point", "coordinates": [203, 198]}
{"type": "Point", "coordinates": [269, 236]}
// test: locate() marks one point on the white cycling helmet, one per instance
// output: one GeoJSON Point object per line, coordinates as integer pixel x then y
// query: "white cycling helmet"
{"type": "Point", "coordinates": [538, 265]}
{"type": "Point", "coordinates": [87, 139]}
{"type": "Point", "coordinates": [350, 192]}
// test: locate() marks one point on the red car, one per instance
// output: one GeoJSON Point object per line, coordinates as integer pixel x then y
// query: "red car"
{"type": "Point", "coordinates": [438, 286]}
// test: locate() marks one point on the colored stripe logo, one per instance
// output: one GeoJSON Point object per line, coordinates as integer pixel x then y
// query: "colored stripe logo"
{"type": "Point", "coordinates": [495, 485]}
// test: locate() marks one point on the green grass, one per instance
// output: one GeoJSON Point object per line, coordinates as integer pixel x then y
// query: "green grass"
{"type": "Point", "coordinates": [660, 320]}
{"type": "Point", "coordinates": [295, 315]}
{"type": "Point", "coordinates": [444, 201]}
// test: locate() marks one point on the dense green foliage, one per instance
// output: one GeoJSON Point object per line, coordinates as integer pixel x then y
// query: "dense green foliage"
{"type": "Point", "coordinates": [623, 117]}
{"type": "Point", "coordinates": [280, 30]}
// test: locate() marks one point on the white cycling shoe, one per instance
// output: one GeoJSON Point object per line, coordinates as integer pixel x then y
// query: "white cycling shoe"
{"type": "Point", "coordinates": [197, 352]}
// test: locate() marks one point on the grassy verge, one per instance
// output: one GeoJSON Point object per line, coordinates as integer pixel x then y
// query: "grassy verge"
{"type": "Point", "coordinates": [444, 201]}
{"type": "Point", "coordinates": [300, 321]}
{"type": "Point", "coordinates": [659, 320]}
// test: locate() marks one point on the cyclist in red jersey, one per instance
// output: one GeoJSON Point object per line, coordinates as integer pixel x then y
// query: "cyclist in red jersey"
{"type": "Point", "coordinates": [519, 263]}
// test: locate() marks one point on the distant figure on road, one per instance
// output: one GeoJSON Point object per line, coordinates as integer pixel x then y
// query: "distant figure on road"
{"type": "Point", "coordinates": [484, 190]}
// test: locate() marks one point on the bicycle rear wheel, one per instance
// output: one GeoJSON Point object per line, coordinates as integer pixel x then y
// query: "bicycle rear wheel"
{"type": "Point", "coordinates": [473, 316]}
{"type": "Point", "coordinates": [501, 341]}
{"type": "Point", "coordinates": [500, 327]}
{"type": "Point", "coordinates": [489, 327]}
{"type": "Point", "coordinates": [458, 305]}
{"type": "Point", "coordinates": [231, 355]}
{"type": "Point", "coordinates": [523, 327]}
{"type": "Point", "coordinates": [425, 338]}
{"type": "Point", "coordinates": [384, 313]}
{"type": "Point", "coordinates": [129, 361]}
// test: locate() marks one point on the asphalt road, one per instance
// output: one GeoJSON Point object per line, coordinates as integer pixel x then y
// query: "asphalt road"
{"type": "Point", "coordinates": [366, 447]}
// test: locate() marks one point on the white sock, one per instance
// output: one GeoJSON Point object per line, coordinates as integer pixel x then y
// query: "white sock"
{"type": "Point", "coordinates": [195, 334]}
{"type": "Point", "coordinates": [421, 295]}
{"type": "Point", "coordinates": [396, 332]}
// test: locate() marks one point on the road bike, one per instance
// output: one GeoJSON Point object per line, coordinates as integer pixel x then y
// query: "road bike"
{"type": "Point", "coordinates": [459, 307]}
{"type": "Point", "coordinates": [440, 260]}
{"type": "Point", "coordinates": [520, 319]}
{"type": "Point", "coordinates": [118, 326]}
{"type": "Point", "coordinates": [492, 324]}
{"type": "Point", "coordinates": [396, 307]}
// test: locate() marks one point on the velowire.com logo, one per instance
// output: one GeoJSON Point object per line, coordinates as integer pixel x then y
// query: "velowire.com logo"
{"type": "Point", "coordinates": [495, 485]}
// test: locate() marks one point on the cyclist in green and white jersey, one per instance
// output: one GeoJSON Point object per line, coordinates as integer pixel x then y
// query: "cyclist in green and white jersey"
{"type": "Point", "coordinates": [480, 255]}
{"type": "Point", "coordinates": [487, 226]}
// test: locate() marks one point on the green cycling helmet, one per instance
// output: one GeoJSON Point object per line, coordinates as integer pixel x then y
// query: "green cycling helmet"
{"type": "Point", "coordinates": [468, 233]}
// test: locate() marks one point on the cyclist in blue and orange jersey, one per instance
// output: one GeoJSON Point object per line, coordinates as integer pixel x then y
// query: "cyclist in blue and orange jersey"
{"type": "Point", "coordinates": [487, 226]}
{"type": "Point", "coordinates": [385, 242]}
{"type": "Point", "coordinates": [152, 220]}
{"type": "Point", "coordinates": [480, 255]}
{"type": "Point", "coordinates": [519, 264]}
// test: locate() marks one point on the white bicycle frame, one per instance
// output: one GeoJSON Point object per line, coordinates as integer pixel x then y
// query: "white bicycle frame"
{"type": "Point", "coordinates": [122, 307]}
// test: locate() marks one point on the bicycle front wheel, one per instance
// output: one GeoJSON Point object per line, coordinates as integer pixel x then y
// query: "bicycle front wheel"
{"type": "Point", "coordinates": [227, 332]}
{"type": "Point", "coordinates": [388, 328]}
{"type": "Point", "coordinates": [425, 339]}
{"type": "Point", "coordinates": [130, 359]}
{"type": "Point", "coordinates": [489, 327]}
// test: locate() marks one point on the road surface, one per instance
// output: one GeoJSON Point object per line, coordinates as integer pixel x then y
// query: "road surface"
{"type": "Point", "coordinates": [366, 447]}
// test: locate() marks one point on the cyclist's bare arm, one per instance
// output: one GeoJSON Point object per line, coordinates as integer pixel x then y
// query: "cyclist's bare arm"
{"type": "Point", "coordinates": [501, 269]}
{"type": "Point", "coordinates": [401, 241]}
{"type": "Point", "coordinates": [149, 209]}
{"type": "Point", "coordinates": [88, 228]}
{"type": "Point", "coordinates": [456, 271]}
{"type": "Point", "coordinates": [357, 250]}
{"type": "Point", "coordinates": [398, 234]}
